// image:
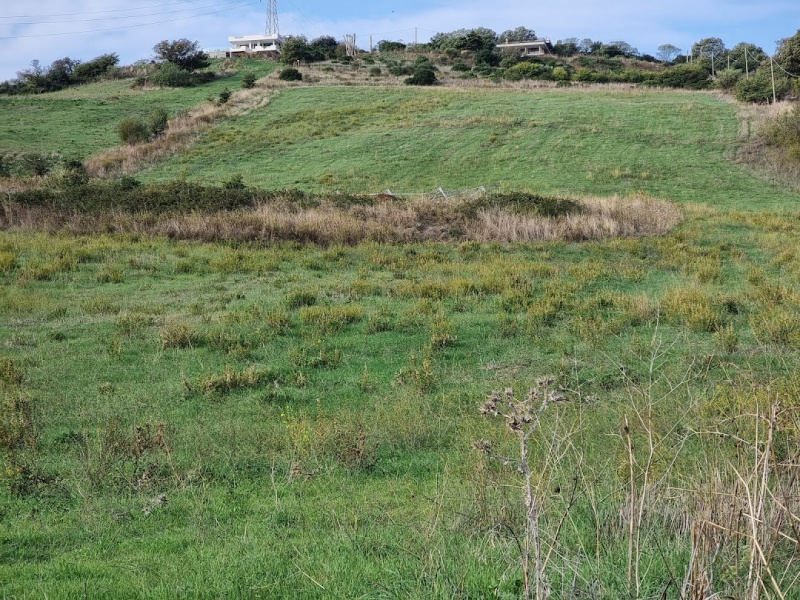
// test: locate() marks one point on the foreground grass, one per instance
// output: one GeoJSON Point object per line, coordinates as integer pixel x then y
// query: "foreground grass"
{"type": "Point", "coordinates": [79, 122]}
{"type": "Point", "coordinates": [318, 406]}
{"type": "Point", "coordinates": [667, 144]}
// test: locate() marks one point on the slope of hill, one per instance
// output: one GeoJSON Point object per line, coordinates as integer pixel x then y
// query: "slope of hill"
{"type": "Point", "coordinates": [81, 121]}
{"type": "Point", "coordinates": [667, 144]}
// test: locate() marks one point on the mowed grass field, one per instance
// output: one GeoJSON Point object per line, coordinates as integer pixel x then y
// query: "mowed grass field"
{"type": "Point", "coordinates": [81, 121]}
{"type": "Point", "coordinates": [296, 421]}
{"type": "Point", "coordinates": [674, 145]}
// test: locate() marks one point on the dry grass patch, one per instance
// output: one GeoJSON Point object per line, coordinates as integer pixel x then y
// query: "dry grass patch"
{"type": "Point", "coordinates": [386, 220]}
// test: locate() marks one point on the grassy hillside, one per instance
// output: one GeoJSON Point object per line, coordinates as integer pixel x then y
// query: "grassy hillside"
{"type": "Point", "coordinates": [670, 144]}
{"type": "Point", "coordinates": [283, 420]}
{"type": "Point", "coordinates": [319, 406]}
{"type": "Point", "coordinates": [81, 121]}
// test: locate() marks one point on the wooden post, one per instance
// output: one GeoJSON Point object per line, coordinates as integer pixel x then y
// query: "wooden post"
{"type": "Point", "coordinates": [772, 70]}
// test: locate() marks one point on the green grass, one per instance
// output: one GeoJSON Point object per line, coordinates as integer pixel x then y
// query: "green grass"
{"type": "Point", "coordinates": [672, 144]}
{"type": "Point", "coordinates": [266, 365]}
{"type": "Point", "coordinates": [81, 121]}
{"type": "Point", "coordinates": [319, 404]}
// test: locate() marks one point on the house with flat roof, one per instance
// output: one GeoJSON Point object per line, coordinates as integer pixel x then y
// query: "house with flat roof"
{"type": "Point", "coordinates": [253, 45]}
{"type": "Point", "coordinates": [529, 48]}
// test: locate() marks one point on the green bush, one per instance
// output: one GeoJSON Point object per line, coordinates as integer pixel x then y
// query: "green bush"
{"type": "Point", "coordinates": [224, 96]}
{"type": "Point", "coordinates": [758, 88]}
{"type": "Point", "coordinates": [684, 76]}
{"type": "Point", "coordinates": [375, 72]}
{"type": "Point", "coordinates": [424, 73]}
{"type": "Point", "coordinates": [171, 75]}
{"type": "Point", "coordinates": [461, 66]}
{"type": "Point", "coordinates": [728, 78]}
{"type": "Point", "coordinates": [249, 80]}
{"type": "Point", "coordinates": [561, 74]}
{"type": "Point", "coordinates": [784, 132]}
{"type": "Point", "coordinates": [133, 131]}
{"type": "Point", "coordinates": [290, 74]}
{"type": "Point", "coordinates": [524, 70]}
{"type": "Point", "coordinates": [157, 120]}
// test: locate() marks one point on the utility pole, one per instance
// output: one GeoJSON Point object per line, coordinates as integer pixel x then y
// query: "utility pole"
{"type": "Point", "coordinates": [415, 38]}
{"type": "Point", "coordinates": [370, 43]}
{"type": "Point", "coordinates": [772, 69]}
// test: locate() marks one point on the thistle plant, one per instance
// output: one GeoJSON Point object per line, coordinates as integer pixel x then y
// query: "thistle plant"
{"type": "Point", "coordinates": [523, 418]}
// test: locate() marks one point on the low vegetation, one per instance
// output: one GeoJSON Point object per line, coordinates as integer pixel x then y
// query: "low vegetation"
{"type": "Point", "coordinates": [208, 388]}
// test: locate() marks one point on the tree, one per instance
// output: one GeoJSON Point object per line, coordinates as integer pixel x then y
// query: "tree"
{"type": "Point", "coordinates": [59, 75]}
{"type": "Point", "coordinates": [618, 49]}
{"type": "Point", "coordinates": [295, 49]}
{"type": "Point", "coordinates": [667, 53]}
{"type": "Point", "coordinates": [520, 34]}
{"type": "Point", "coordinates": [183, 53]}
{"type": "Point", "coordinates": [97, 67]}
{"type": "Point", "coordinates": [567, 47]}
{"type": "Point", "coordinates": [480, 39]}
{"type": "Point", "coordinates": [589, 46]}
{"type": "Point", "coordinates": [754, 57]}
{"type": "Point", "coordinates": [788, 53]}
{"type": "Point", "coordinates": [387, 46]}
{"type": "Point", "coordinates": [465, 39]}
{"type": "Point", "coordinates": [323, 48]}
{"type": "Point", "coordinates": [708, 47]}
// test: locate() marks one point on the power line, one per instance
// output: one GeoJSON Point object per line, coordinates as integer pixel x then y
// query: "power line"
{"type": "Point", "coordinates": [172, 12]}
{"type": "Point", "coordinates": [305, 17]}
{"type": "Point", "coordinates": [14, 37]}
{"type": "Point", "coordinates": [96, 12]}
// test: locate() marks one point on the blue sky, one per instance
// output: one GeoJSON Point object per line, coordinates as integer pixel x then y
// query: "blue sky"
{"type": "Point", "coordinates": [132, 27]}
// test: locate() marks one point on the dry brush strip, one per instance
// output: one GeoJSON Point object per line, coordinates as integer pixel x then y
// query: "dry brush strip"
{"type": "Point", "coordinates": [181, 132]}
{"type": "Point", "coordinates": [386, 221]}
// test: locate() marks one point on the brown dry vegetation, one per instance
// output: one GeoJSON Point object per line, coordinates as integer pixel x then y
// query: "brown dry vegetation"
{"type": "Point", "coordinates": [387, 220]}
{"type": "Point", "coordinates": [182, 131]}
{"type": "Point", "coordinates": [771, 163]}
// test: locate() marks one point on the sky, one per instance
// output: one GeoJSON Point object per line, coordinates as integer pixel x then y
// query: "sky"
{"type": "Point", "coordinates": [47, 30]}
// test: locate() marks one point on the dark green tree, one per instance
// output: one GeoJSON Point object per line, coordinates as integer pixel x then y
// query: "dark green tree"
{"type": "Point", "coordinates": [708, 47]}
{"type": "Point", "coordinates": [97, 67]}
{"type": "Point", "coordinates": [323, 48]}
{"type": "Point", "coordinates": [754, 57]}
{"type": "Point", "coordinates": [788, 54]}
{"type": "Point", "coordinates": [567, 47]}
{"type": "Point", "coordinates": [183, 53]}
{"type": "Point", "coordinates": [520, 34]}
{"type": "Point", "coordinates": [295, 49]}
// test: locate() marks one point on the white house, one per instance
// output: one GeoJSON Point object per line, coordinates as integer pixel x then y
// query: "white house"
{"type": "Point", "coordinates": [531, 48]}
{"type": "Point", "coordinates": [251, 45]}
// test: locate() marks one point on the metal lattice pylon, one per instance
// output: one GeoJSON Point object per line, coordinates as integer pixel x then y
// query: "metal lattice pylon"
{"type": "Point", "coordinates": [272, 18]}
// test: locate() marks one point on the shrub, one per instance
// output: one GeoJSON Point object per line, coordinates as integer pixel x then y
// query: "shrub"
{"type": "Point", "coordinates": [684, 76]}
{"type": "Point", "coordinates": [561, 74]}
{"type": "Point", "coordinates": [224, 96]}
{"type": "Point", "coordinates": [171, 75]}
{"type": "Point", "coordinates": [375, 72]}
{"type": "Point", "coordinates": [133, 131]}
{"type": "Point", "coordinates": [461, 66]}
{"type": "Point", "coordinates": [290, 74]}
{"type": "Point", "coordinates": [248, 80]}
{"type": "Point", "coordinates": [758, 88]}
{"type": "Point", "coordinates": [524, 70]}
{"type": "Point", "coordinates": [157, 120]}
{"type": "Point", "coordinates": [728, 78]}
{"type": "Point", "coordinates": [424, 74]}
{"type": "Point", "coordinates": [784, 132]}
